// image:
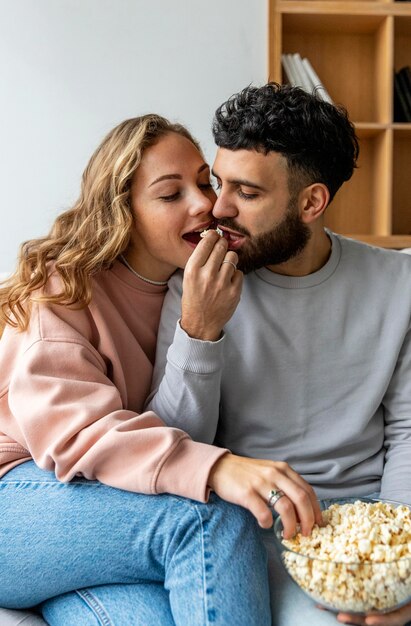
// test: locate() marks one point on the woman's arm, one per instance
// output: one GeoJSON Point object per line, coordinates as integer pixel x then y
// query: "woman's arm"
{"type": "Point", "coordinates": [63, 408]}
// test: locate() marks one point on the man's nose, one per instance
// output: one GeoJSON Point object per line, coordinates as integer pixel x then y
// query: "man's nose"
{"type": "Point", "coordinates": [224, 208]}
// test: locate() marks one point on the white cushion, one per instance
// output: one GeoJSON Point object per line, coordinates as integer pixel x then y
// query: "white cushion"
{"type": "Point", "coordinates": [15, 618]}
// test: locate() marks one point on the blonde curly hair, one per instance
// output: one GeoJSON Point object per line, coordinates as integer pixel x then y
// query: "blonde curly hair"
{"type": "Point", "coordinates": [88, 237]}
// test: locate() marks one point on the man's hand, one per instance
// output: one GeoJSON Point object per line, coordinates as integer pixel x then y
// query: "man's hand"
{"type": "Point", "coordinates": [248, 482]}
{"type": "Point", "coordinates": [211, 288]}
{"type": "Point", "coordinates": [396, 618]}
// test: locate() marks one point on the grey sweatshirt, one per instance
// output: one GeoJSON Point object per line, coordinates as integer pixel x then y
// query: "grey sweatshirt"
{"type": "Point", "coordinates": [312, 370]}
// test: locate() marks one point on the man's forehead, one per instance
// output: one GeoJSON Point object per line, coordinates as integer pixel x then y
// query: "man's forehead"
{"type": "Point", "coordinates": [246, 163]}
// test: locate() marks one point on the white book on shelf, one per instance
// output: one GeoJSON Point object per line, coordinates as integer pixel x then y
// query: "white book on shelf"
{"type": "Point", "coordinates": [289, 69]}
{"type": "Point", "coordinates": [298, 82]}
{"type": "Point", "coordinates": [315, 81]}
{"type": "Point", "coordinates": [302, 73]}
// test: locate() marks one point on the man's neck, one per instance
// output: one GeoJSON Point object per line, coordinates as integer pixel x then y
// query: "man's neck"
{"type": "Point", "coordinates": [314, 256]}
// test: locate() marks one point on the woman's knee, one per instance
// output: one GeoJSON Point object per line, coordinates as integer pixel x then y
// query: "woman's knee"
{"type": "Point", "coordinates": [140, 604]}
{"type": "Point", "coordinates": [71, 608]}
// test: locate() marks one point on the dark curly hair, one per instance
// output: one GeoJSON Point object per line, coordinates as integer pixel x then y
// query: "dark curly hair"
{"type": "Point", "coordinates": [316, 138]}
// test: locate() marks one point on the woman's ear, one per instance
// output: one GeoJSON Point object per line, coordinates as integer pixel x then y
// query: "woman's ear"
{"type": "Point", "coordinates": [313, 201]}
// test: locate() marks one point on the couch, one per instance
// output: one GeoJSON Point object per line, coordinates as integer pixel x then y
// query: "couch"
{"type": "Point", "coordinates": [15, 618]}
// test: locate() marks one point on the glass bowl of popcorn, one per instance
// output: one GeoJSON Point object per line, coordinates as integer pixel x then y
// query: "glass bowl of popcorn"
{"type": "Point", "coordinates": [359, 561]}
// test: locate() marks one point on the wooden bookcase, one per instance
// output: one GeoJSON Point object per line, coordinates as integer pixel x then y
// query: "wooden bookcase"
{"type": "Point", "coordinates": [355, 47]}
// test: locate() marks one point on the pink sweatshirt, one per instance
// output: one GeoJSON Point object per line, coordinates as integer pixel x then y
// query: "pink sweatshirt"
{"type": "Point", "coordinates": [73, 387]}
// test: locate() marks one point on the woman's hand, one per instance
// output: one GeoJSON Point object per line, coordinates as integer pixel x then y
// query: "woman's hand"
{"type": "Point", "coordinates": [396, 618]}
{"type": "Point", "coordinates": [211, 288]}
{"type": "Point", "coordinates": [248, 482]}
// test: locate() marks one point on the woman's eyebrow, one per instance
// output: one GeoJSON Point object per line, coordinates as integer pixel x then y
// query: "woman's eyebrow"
{"type": "Point", "coordinates": [176, 176]}
{"type": "Point", "coordinates": [166, 177]}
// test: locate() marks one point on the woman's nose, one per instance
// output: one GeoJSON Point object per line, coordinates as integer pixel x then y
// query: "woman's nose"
{"type": "Point", "coordinates": [203, 203]}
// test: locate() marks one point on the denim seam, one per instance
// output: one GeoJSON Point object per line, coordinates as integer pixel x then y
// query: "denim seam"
{"type": "Point", "coordinates": [194, 508]}
{"type": "Point", "coordinates": [207, 609]}
{"type": "Point", "coordinates": [95, 605]}
{"type": "Point", "coordinates": [57, 483]}
{"type": "Point", "coordinates": [203, 567]}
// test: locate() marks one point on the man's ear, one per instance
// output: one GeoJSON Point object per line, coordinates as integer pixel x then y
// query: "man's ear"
{"type": "Point", "coordinates": [313, 201]}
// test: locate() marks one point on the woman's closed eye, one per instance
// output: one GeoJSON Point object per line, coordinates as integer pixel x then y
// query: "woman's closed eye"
{"type": "Point", "coordinates": [170, 197]}
{"type": "Point", "coordinates": [206, 185]}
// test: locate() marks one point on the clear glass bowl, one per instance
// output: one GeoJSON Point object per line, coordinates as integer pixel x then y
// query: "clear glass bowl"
{"type": "Point", "coordinates": [353, 587]}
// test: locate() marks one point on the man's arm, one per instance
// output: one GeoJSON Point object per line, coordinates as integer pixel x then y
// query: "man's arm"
{"type": "Point", "coordinates": [396, 479]}
{"type": "Point", "coordinates": [187, 373]}
{"type": "Point", "coordinates": [189, 359]}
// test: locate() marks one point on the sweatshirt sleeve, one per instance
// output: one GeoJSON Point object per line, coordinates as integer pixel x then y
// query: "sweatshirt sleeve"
{"type": "Point", "coordinates": [396, 480]}
{"type": "Point", "coordinates": [72, 421]}
{"type": "Point", "coordinates": [187, 373]}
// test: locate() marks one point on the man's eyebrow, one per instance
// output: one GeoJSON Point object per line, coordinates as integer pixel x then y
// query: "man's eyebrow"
{"type": "Point", "coordinates": [176, 176]}
{"type": "Point", "coordinates": [240, 181]}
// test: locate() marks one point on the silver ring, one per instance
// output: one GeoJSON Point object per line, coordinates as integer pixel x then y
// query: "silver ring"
{"type": "Point", "coordinates": [274, 496]}
{"type": "Point", "coordinates": [231, 263]}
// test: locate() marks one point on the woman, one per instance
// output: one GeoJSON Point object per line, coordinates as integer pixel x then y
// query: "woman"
{"type": "Point", "coordinates": [93, 536]}
{"type": "Point", "coordinates": [79, 460]}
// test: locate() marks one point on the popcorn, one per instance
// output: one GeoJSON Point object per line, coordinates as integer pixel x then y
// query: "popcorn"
{"type": "Point", "coordinates": [359, 561]}
{"type": "Point", "coordinates": [218, 231]}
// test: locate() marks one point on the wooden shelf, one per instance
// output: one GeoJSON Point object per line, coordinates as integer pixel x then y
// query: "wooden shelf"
{"type": "Point", "coordinates": [355, 47]}
{"type": "Point", "coordinates": [398, 242]}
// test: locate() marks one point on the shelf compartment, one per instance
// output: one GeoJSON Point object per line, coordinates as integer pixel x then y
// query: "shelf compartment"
{"type": "Point", "coordinates": [359, 46]}
{"type": "Point", "coordinates": [402, 45]}
{"type": "Point", "coordinates": [357, 7]}
{"type": "Point", "coordinates": [363, 204]}
{"type": "Point", "coordinates": [401, 180]}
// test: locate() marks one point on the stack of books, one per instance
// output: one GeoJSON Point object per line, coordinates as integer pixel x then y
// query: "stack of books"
{"type": "Point", "coordinates": [402, 95]}
{"type": "Point", "coordinates": [300, 73]}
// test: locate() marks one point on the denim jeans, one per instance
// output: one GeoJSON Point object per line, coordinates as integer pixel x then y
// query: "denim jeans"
{"type": "Point", "coordinates": [134, 559]}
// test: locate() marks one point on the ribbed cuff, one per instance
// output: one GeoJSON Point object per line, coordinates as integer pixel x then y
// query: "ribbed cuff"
{"type": "Point", "coordinates": [185, 472]}
{"type": "Point", "coordinates": [194, 355]}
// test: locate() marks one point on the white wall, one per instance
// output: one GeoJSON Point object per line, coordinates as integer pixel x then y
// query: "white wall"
{"type": "Point", "coordinates": [70, 70]}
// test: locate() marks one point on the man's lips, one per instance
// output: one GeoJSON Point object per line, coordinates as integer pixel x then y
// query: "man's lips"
{"type": "Point", "coordinates": [234, 239]}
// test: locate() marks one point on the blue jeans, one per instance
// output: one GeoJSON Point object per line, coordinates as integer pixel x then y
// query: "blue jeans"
{"type": "Point", "coordinates": [133, 559]}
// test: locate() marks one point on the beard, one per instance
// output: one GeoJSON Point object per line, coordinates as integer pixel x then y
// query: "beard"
{"type": "Point", "coordinates": [283, 242]}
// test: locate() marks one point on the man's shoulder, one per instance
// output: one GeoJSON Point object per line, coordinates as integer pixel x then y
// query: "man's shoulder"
{"type": "Point", "coordinates": [176, 278]}
{"type": "Point", "coordinates": [175, 284]}
{"type": "Point", "coordinates": [383, 259]}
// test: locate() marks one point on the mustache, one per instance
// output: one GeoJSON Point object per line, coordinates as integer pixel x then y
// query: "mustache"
{"type": "Point", "coordinates": [231, 223]}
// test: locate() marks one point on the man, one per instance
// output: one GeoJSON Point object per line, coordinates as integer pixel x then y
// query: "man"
{"type": "Point", "coordinates": [313, 369]}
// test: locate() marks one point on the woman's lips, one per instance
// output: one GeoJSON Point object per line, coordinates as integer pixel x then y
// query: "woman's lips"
{"type": "Point", "coordinates": [234, 239]}
{"type": "Point", "coordinates": [194, 237]}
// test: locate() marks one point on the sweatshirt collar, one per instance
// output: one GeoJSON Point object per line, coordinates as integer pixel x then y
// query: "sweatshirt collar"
{"type": "Point", "coordinates": [311, 280]}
